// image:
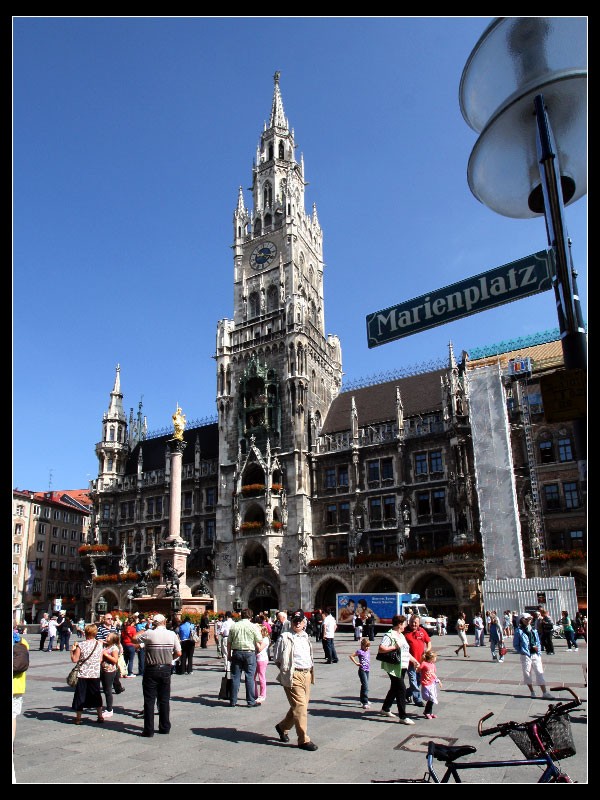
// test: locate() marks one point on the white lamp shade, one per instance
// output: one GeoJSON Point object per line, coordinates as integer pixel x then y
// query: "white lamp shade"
{"type": "Point", "coordinates": [516, 59]}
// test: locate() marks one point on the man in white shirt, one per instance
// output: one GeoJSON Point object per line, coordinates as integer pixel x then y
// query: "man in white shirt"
{"type": "Point", "coordinates": [479, 626]}
{"type": "Point", "coordinates": [225, 628]}
{"type": "Point", "coordinates": [329, 629]}
{"type": "Point", "coordinates": [293, 656]}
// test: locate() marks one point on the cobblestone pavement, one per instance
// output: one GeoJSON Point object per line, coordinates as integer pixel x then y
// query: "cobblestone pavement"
{"type": "Point", "coordinates": [211, 742]}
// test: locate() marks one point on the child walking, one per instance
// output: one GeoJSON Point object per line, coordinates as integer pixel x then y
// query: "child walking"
{"type": "Point", "coordinates": [430, 683]}
{"type": "Point", "coordinates": [362, 659]}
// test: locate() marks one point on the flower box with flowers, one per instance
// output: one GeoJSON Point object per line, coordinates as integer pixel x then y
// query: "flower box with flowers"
{"type": "Point", "coordinates": [251, 526]}
{"type": "Point", "coordinates": [92, 548]}
{"type": "Point", "coordinates": [565, 555]}
{"type": "Point", "coordinates": [252, 489]}
{"type": "Point", "coordinates": [276, 525]}
{"type": "Point", "coordinates": [276, 487]}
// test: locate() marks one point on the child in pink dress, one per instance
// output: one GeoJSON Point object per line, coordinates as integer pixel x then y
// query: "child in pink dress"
{"type": "Point", "coordinates": [430, 683]}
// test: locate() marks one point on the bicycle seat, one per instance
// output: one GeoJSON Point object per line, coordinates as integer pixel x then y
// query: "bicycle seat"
{"type": "Point", "coordinates": [444, 752]}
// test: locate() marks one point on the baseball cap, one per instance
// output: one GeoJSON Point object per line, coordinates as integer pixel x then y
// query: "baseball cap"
{"type": "Point", "coordinates": [297, 616]}
{"type": "Point", "coordinates": [525, 617]}
{"type": "Point", "coordinates": [160, 618]}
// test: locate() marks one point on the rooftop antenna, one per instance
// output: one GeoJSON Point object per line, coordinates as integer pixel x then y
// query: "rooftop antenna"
{"type": "Point", "coordinates": [50, 481]}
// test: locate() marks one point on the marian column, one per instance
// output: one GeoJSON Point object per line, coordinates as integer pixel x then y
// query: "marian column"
{"type": "Point", "coordinates": [174, 553]}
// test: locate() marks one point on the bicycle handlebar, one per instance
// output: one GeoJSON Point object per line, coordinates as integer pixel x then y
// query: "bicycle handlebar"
{"type": "Point", "coordinates": [553, 711]}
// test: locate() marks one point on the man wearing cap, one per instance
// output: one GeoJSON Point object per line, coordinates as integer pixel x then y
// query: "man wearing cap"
{"type": "Point", "coordinates": [162, 647]}
{"type": "Point", "coordinates": [526, 642]}
{"type": "Point", "coordinates": [241, 652]}
{"type": "Point", "coordinates": [294, 657]}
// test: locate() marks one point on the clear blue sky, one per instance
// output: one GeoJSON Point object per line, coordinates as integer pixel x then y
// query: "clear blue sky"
{"type": "Point", "coordinates": [131, 138]}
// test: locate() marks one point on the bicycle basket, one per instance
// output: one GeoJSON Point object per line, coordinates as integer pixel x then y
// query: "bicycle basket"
{"type": "Point", "coordinates": [555, 734]}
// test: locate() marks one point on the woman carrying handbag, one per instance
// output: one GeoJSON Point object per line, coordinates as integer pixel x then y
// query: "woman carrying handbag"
{"type": "Point", "coordinates": [392, 641]}
{"type": "Point", "coordinates": [88, 654]}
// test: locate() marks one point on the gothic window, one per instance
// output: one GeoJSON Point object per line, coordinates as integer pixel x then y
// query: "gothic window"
{"type": "Point", "coordinates": [331, 514]}
{"type": "Point", "coordinates": [439, 502]}
{"type": "Point", "coordinates": [272, 299]}
{"type": "Point", "coordinates": [228, 380]}
{"type": "Point", "coordinates": [271, 151]}
{"type": "Point", "coordinates": [423, 504]}
{"type": "Point", "coordinates": [313, 312]}
{"type": "Point", "coordinates": [420, 463]}
{"type": "Point", "coordinates": [389, 508]}
{"type": "Point", "coordinates": [209, 535]}
{"type": "Point", "coordinates": [109, 465]}
{"type": "Point", "coordinates": [546, 452]}
{"type": "Point", "coordinates": [281, 151]}
{"type": "Point", "coordinates": [552, 497]}
{"type": "Point", "coordinates": [111, 434]}
{"type": "Point", "coordinates": [565, 450]}
{"type": "Point", "coordinates": [254, 304]}
{"type": "Point", "coordinates": [375, 512]}
{"type": "Point", "coordinates": [571, 495]}
{"type": "Point", "coordinates": [268, 221]}
{"type": "Point", "coordinates": [435, 461]}
{"type": "Point", "coordinates": [257, 227]}
{"type": "Point", "coordinates": [267, 196]}
{"type": "Point", "coordinates": [221, 379]}
{"type": "Point", "coordinates": [330, 478]}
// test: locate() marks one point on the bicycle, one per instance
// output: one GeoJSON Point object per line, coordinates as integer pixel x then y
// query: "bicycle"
{"type": "Point", "coordinates": [543, 741]}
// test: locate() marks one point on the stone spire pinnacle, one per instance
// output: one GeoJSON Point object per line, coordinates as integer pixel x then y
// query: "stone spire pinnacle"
{"type": "Point", "coordinates": [277, 119]}
{"type": "Point", "coordinates": [115, 407]}
{"type": "Point", "coordinates": [241, 208]}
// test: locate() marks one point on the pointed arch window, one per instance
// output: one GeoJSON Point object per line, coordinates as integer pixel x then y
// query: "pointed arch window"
{"type": "Point", "coordinates": [257, 227]}
{"type": "Point", "coordinates": [267, 195]}
{"type": "Point", "coordinates": [281, 151]}
{"type": "Point", "coordinates": [111, 433]}
{"type": "Point", "coordinates": [271, 151]}
{"type": "Point", "coordinates": [272, 299]}
{"type": "Point", "coordinates": [254, 304]}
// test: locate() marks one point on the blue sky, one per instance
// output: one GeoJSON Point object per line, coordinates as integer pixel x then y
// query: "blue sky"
{"type": "Point", "coordinates": [131, 136]}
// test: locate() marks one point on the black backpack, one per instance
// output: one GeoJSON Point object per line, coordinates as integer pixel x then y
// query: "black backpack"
{"type": "Point", "coordinates": [20, 658]}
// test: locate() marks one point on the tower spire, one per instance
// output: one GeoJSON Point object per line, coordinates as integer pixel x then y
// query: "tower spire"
{"type": "Point", "coordinates": [115, 407]}
{"type": "Point", "coordinates": [277, 119]}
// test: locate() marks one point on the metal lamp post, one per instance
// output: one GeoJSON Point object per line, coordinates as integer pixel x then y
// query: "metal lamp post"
{"type": "Point", "coordinates": [523, 72]}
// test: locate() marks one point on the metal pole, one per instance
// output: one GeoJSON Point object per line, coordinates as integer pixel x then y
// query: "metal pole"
{"type": "Point", "coordinates": [570, 318]}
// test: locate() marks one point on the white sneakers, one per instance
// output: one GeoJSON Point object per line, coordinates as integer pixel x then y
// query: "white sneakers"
{"type": "Point", "coordinates": [107, 714]}
{"type": "Point", "coordinates": [406, 721]}
{"type": "Point", "coordinates": [366, 705]}
{"type": "Point", "coordinates": [532, 695]}
{"type": "Point", "coordinates": [387, 713]}
{"type": "Point", "coordinates": [548, 696]}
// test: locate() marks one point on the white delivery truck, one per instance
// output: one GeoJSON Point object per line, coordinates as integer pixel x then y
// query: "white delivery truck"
{"type": "Point", "coordinates": [384, 606]}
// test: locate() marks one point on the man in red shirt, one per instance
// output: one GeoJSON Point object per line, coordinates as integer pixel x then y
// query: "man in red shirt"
{"type": "Point", "coordinates": [418, 643]}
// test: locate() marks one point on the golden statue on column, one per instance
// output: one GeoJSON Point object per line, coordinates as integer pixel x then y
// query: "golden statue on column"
{"type": "Point", "coordinates": [178, 423]}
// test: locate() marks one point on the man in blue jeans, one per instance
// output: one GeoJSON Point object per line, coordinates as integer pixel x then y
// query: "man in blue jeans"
{"type": "Point", "coordinates": [241, 651]}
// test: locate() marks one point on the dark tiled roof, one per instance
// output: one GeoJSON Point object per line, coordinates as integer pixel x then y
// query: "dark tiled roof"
{"type": "Point", "coordinates": [153, 450]}
{"type": "Point", "coordinates": [419, 394]}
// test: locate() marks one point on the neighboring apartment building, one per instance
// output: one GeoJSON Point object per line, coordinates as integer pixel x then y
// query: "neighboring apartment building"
{"type": "Point", "coordinates": [300, 490]}
{"type": "Point", "coordinates": [48, 530]}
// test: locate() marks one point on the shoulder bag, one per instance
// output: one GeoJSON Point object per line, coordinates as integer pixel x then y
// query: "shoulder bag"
{"type": "Point", "coordinates": [73, 675]}
{"type": "Point", "coordinates": [392, 657]}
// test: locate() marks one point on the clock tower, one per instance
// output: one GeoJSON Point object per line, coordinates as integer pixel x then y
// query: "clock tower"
{"type": "Point", "coordinates": [277, 374]}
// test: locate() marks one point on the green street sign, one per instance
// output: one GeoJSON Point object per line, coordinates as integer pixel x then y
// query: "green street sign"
{"type": "Point", "coordinates": [522, 278]}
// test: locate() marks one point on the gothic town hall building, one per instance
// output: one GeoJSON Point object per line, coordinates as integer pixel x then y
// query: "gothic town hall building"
{"type": "Point", "coordinates": [299, 490]}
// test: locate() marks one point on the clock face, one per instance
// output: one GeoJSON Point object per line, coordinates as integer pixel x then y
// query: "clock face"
{"type": "Point", "coordinates": [263, 255]}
